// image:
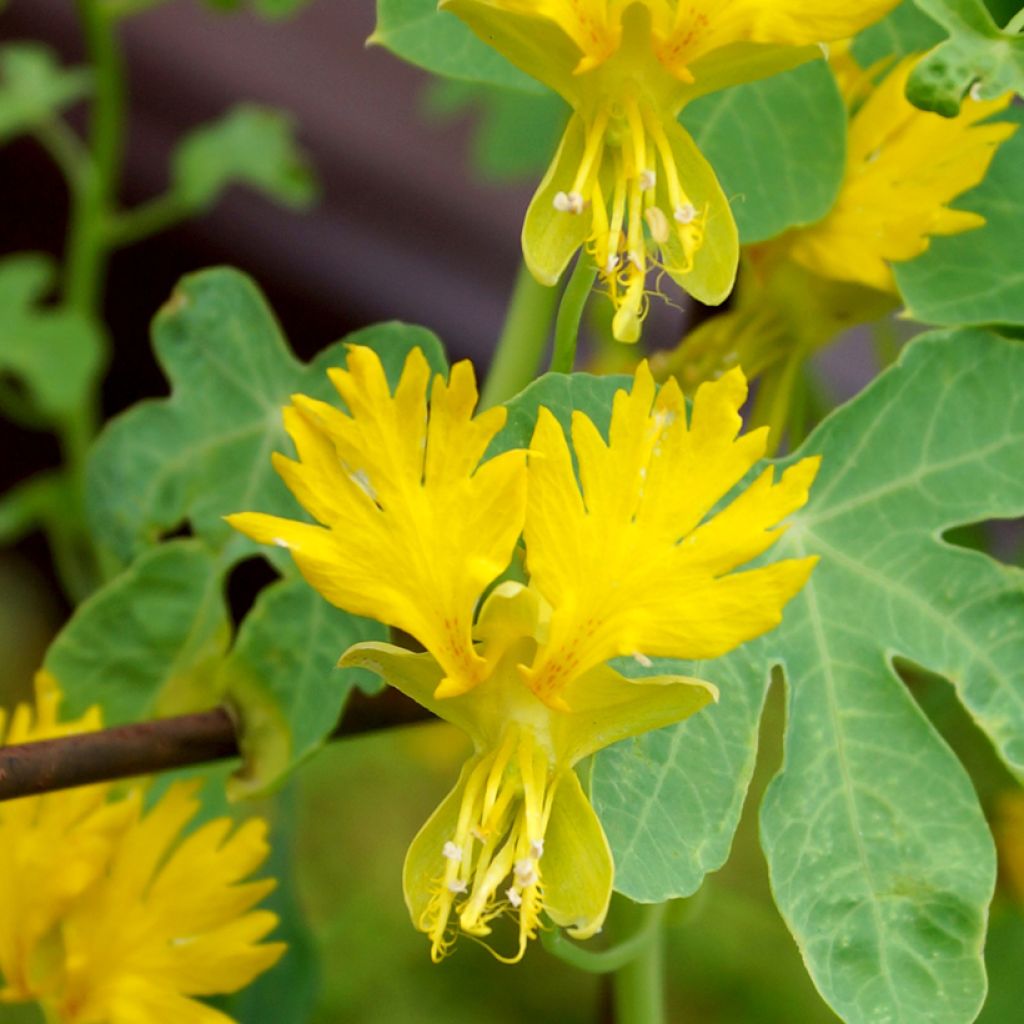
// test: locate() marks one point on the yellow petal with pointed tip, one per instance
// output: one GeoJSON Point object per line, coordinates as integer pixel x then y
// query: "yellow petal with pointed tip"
{"type": "Point", "coordinates": [706, 26]}
{"type": "Point", "coordinates": [577, 863]}
{"type": "Point", "coordinates": [903, 167]}
{"type": "Point", "coordinates": [417, 676]}
{"type": "Point", "coordinates": [414, 527]}
{"type": "Point", "coordinates": [608, 707]}
{"type": "Point", "coordinates": [623, 563]}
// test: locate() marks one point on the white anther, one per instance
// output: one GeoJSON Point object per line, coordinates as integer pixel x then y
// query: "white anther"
{"type": "Point", "coordinates": [361, 479]}
{"type": "Point", "coordinates": [635, 259]}
{"type": "Point", "coordinates": [281, 542]}
{"type": "Point", "coordinates": [515, 897]}
{"type": "Point", "coordinates": [536, 848]}
{"type": "Point", "coordinates": [657, 222]}
{"type": "Point", "coordinates": [568, 202]}
{"type": "Point", "coordinates": [686, 214]}
{"type": "Point", "coordinates": [526, 873]}
{"type": "Point", "coordinates": [611, 263]}
{"type": "Point", "coordinates": [457, 886]}
{"type": "Point", "coordinates": [452, 852]}
{"type": "Point", "coordinates": [648, 179]}
{"type": "Point", "coordinates": [478, 834]}
{"type": "Point", "coordinates": [642, 660]}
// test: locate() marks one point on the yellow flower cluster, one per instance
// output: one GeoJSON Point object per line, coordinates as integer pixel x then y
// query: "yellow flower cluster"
{"type": "Point", "coordinates": [628, 183]}
{"type": "Point", "coordinates": [107, 916]}
{"type": "Point", "coordinates": [419, 529]}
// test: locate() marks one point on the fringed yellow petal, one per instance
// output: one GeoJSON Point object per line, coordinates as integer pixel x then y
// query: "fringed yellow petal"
{"type": "Point", "coordinates": [414, 527]}
{"type": "Point", "coordinates": [578, 868]}
{"type": "Point", "coordinates": [52, 849]}
{"type": "Point", "coordinates": [623, 564]}
{"type": "Point", "coordinates": [904, 166]}
{"type": "Point", "coordinates": [167, 920]}
{"type": "Point", "coordinates": [696, 29]}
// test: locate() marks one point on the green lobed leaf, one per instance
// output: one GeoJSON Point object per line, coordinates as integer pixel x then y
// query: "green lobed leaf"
{"type": "Point", "coordinates": [778, 147]}
{"type": "Point", "coordinates": [282, 675]}
{"type": "Point", "coordinates": [880, 858]}
{"type": "Point", "coordinates": [56, 353]}
{"type": "Point", "coordinates": [978, 57]}
{"type": "Point", "coordinates": [562, 394]}
{"type": "Point", "coordinates": [976, 277]}
{"type": "Point", "coordinates": [205, 451]}
{"type": "Point", "coordinates": [251, 145]}
{"type": "Point", "coordinates": [670, 800]}
{"type": "Point", "coordinates": [34, 88]}
{"type": "Point", "coordinates": [419, 33]}
{"type": "Point", "coordinates": [906, 30]}
{"type": "Point", "coordinates": [149, 642]}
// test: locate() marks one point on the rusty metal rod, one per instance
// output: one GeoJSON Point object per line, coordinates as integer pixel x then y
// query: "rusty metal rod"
{"type": "Point", "coordinates": [146, 748]}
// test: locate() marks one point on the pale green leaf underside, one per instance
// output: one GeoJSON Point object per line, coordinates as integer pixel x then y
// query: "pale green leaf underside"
{"type": "Point", "coordinates": [282, 674]}
{"type": "Point", "coordinates": [147, 643]}
{"type": "Point", "coordinates": [205, 452]}
{"type": "Point", "coordinates": [880, 858]}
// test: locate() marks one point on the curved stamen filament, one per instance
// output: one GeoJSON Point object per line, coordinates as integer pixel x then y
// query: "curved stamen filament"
{"type": "Point", "coordinates": [493, 860]}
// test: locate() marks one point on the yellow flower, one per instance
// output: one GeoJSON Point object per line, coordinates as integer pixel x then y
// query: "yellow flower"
{"type": "Point", "coordinates": [904, 166]}
{"type": "Point", "coordinates": [625, 562]}
{"type": "Point", "coordinates": [52, 848]}
{"type": "Point", "coordinates": [628, 182]}
{"type": "Point", "coordinates": [106, 917]}
{"type": "Point", "coordinates": [798, 292]}
{"type": "Point", "coordinates": [170, 918]}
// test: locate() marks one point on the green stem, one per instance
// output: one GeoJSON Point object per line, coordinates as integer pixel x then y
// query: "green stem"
{"type": "Point", "coordinates": [775, 398]}
{"type": "Point", "coordinates": [639, 984]}
{"type": "Point", "coordinates": [92, 203]}
{"type": "Point", "coordinates": [606, 961]}
{"type": "Point", "coordinates": [93, 181]}
{"type": "Point", "coordinates": [67, 152]}
{"type": "Point", "coordinates": [570, 313]}
{"type": "Point", "coordinates": [521, 345]}
{"type": "Point", "coordinates": [144, 220]}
